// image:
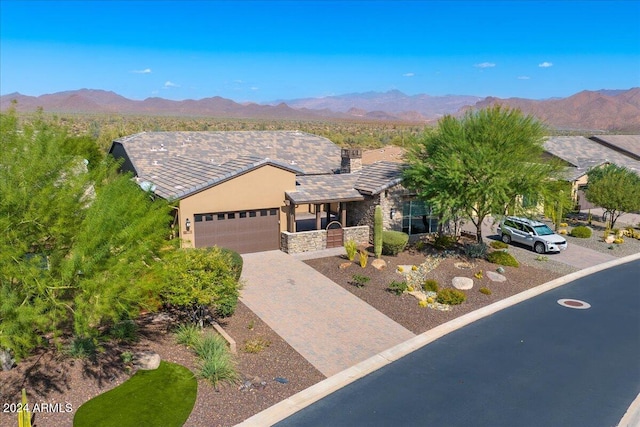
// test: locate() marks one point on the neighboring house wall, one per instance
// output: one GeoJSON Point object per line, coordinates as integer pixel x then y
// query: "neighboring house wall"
{"type": "Point", "coordinates": [258, 189]}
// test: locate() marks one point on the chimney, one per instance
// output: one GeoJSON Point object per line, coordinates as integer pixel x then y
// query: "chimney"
{"type": "Point", "coordinates": [351, 160]}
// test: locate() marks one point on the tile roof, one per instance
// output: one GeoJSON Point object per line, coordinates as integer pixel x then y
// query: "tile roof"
{"type": "Point", "coordinates": [583, 154]}
{"type": "Point", "coordinates": [178, 177]}
{"type": "Point", "coordinates": [325, 188]}
{"type": "Point", "coordinates": [379, 176]}
{"type": "Point", "coordinates": [371, 179]}
{"type": "Point", "coordinates": [310, 153]}
{"type": "Point", "coordinates": [629, 145]}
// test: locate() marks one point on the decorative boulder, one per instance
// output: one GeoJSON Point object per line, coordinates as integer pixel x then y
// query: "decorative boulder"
{"type": "Point", "coordinates": [379, 264]}
{"type": "Point", "coordinates": [495, 277]}
{"type": "Point", "coordinates": [345, 265]}
{"type": "Point", "coordinates": [462, 283]}
{"type": "Point", "coordinates": [147, 360]}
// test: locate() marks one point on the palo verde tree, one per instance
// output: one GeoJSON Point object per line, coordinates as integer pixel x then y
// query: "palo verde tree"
{"type": "Point", "coordinates": [76, 240]}
{"type": "Point", "coordinates": [479, 164]}
{"type": "Point", "coordinates": [615, 189]}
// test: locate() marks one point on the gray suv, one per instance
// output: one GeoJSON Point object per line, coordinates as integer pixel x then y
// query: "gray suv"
{"type": "Point", "coordinates": [532, 233]}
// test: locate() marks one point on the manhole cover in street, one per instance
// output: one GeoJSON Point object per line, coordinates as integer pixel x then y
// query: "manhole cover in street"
{"type": "Point", "coordinates": [574, 303]}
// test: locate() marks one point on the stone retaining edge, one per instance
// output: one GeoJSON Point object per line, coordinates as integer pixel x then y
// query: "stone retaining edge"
{"type": "Point", "coordinates": [304, 398]}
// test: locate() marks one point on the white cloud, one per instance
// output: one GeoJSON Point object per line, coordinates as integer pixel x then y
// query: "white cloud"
{"type": "Point", "coordinates": [545, 64]}
{"type": "Point", "coordinates": [409, 74]}
{"type": "Point", "coordinates": [485, 65]}
{"type": "Point", "coordinates": [169, 84]}
{"type": "Point", "coordinates": [523, 77]}
{"type": "Point", "coordinates": [255, 88]}
{"type": "Point", "coordinates": [145, 71]}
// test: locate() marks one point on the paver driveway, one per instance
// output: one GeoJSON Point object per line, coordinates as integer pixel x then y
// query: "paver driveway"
{"type": "Point", "coordinates": [327, 325]}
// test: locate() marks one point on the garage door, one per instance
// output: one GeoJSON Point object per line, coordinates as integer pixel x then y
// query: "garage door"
{"type": "Point", "coordinates": [243, 231]}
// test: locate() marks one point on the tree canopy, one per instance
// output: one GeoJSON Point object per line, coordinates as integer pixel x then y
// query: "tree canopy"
{"type": "Point", "coordinates": [480, 164]}
{"type": "Point", "coordinates": [76, 240]}
{"type": "Point", "coordinates": [615, 189]}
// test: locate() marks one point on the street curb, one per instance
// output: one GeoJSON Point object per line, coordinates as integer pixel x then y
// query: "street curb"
{"type": "Point", "coordinates": [300, 400]}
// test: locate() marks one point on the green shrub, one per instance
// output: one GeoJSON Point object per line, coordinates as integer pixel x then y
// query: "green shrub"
{"type": "Point", "coordinates": [397, 287]}
{"type": "Point", "coordinates": [377, 232]}
{"type": "Point", "coordinates": [581, 231]}
{"type": "Point", "coordinates": [235, 260]}
{"type": "Point", "coordinates": [497, 244]}
{"type": "Point", "coordinates": [394, 242]}
{"type": "Point", "coordinates": [476, 250]}
{"type": "Point", "coordinates": [351, 248]}
{"type": "Point", "coordinates": [359, 280]}
{"type": "Point", "coordinates": [216, 363]}
{"type": "Point", "coordinates": [485, 291]}
{"type": "Point", "coordinates": [502, 258]}
{"type": "Point", "coordinates": [444, 241]}
{"type": "Point", "coordinates": [431, 285]}
{"type": "Point", "coordinates": [124, 331]}
{"type": "Point", "coordinates": [202, 277]}
{"type": "Point", "coordinates": [82, 348]}
{"type": "Point", "coordinates": [451, 296]}
{"type": "Point", "coordinates": [188, 334]}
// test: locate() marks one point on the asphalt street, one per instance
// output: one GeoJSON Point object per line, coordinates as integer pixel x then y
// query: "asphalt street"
{"type": "Point", "coordinates": [537, 363]}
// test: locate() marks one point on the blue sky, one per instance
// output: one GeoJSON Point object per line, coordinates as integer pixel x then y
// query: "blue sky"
{"type": "Point", "coordinates": [262, 51]}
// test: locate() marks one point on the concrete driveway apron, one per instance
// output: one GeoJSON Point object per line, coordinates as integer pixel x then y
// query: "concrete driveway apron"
{"type": "Point", "coordinates": [327, 325]}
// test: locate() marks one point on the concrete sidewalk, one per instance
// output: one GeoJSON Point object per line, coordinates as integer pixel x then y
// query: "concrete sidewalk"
{"type": "Point", "coordinates": [327, 325]}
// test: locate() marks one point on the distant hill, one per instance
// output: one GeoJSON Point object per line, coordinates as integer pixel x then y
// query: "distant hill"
{"type": "Point", "coordinates": [602, 110]}
{"type": "Point", "coordinates": [393, 104]}
{"type": "Point", "coordinates": [100, 101]}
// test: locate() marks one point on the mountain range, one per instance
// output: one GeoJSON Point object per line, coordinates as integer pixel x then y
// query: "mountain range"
{"type": "Point", "coordinates": [602, 110]}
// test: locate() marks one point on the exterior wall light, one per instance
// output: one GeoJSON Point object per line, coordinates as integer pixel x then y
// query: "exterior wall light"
{"type": "Point", "coordinates": [187, 224]}
{"type": "Point", "coordinates": [392, 212]}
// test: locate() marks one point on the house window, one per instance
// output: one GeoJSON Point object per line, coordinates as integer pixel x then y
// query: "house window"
{"type": "Point", "coordinates": [273, 212]}
{"type": "Point", "coordinates": [417, 218]}
{"type": "Point", "coordinates": [243, 214]}
{"type": "Point", "coordinates": [208, 217]}
{"type": "Point", "coordinates": [252, 214]}
{"type": "Point", "coordinates": [231, 216]}
{"type": "Point", "coordinates": [197, 218]}
{"type": "Point", "coordinates": [263, 212]}
{"type": "Point", "coordinates": [220, 217]}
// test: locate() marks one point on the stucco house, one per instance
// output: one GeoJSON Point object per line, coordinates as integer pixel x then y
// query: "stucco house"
{"type": "Point", "coordinates": [263, 190]}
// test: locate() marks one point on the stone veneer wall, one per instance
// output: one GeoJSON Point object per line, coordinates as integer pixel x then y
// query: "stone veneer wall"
{"type": "Point", "coordinates": [362, 213]}
{"type": "Point", "coordinates": [315, 240]}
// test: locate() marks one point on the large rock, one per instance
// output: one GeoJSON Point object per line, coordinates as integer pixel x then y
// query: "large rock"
{"type": "Point", "coordinates": [379, 264]}
{"type": "Point", "coordinates": [147, 360]}
{"type": "Point", "coordinates": [462, 283]}
{"type": "Point", "coordinates": [495, 277]}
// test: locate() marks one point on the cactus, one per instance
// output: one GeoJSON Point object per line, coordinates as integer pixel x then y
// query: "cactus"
{"type": "Point", "coordinates": [24, 417]}
{"type": "Point", "coordinates": [377, 232]}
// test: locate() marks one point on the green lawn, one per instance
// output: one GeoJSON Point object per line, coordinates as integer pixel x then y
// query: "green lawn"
{"type": "Point", "coordinates": [162, 397]}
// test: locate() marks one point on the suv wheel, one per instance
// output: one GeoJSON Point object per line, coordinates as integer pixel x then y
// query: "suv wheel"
{"type": "Point", "coordinates": [539, 248]}
{"type": "Point", "coordinates": [506, 238]}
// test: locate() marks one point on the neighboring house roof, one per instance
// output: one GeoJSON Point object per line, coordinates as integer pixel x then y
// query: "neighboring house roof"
{"type": "Point", "coordinates": [179, 177]}
{"type": "Point", "coordinates": [583, 154]}
{"type": "Point", "coordinates": [629, 145]}
{"type": "Point", "coordinates": [311, 154]}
